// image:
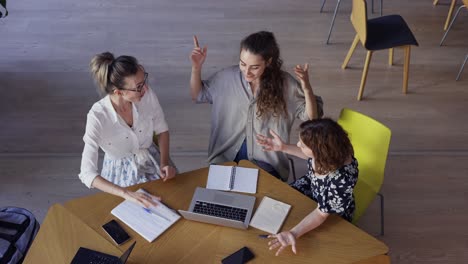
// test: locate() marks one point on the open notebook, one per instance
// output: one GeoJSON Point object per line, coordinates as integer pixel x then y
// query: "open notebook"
{"type": "Point", "coordinates": [149, 223]}
{"type": "Point", "coordinates": [270, 215]}
{"type": "Point", "coordinates": [232, 178]}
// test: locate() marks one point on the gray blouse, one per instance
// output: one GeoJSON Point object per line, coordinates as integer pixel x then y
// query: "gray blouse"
{"type": "Point", "coordinates": [234, 118]}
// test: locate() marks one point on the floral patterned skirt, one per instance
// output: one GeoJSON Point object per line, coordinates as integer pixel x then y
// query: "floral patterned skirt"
{"type": "Point", "coordinates": [133, 169]}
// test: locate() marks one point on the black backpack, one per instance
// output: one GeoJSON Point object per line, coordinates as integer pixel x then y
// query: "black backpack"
{"type": "Point", "coordinates": [18, 227]}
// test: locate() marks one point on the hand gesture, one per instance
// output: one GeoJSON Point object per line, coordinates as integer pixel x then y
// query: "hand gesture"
{"type": "Point", "coordinates": [302, 73]}
{"type": "Point", "coordinates": [270, 144]}
{"type": "Point", "coordinates": [143, 199]}
{"type": "Point", "coordinates": [198, 55]}
{"type": "Point", "coordinates": [167, 172]}
{"type": "Point", "coordinates": [282, 241]}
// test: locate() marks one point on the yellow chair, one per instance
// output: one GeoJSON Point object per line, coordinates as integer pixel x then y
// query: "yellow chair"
{"type": "Point", "coordinates": [370, 140]}
{"type": "Point", "coordinates": [386, 32]}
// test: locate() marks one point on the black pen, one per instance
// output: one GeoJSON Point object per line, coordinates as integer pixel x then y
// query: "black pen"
{"type": "Point", "coordinates": [263, 236]}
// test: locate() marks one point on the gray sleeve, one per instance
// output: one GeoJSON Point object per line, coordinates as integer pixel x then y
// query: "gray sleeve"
{"type": "Point", "coordinates": [299, 99]}
{"type": "Point", "coordinates": [319, 101]}
{"type": "Point", "coordinates": [209, 88]}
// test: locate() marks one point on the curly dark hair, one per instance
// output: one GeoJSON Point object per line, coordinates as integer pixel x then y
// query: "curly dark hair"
{"type": "Point", "coordinates": [270, 96]}
{"type": "Point", "coordinates": [329, 143]}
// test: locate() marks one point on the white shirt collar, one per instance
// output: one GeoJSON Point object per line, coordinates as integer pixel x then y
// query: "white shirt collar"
{"type": "Point", "coordinates": [113, 113]}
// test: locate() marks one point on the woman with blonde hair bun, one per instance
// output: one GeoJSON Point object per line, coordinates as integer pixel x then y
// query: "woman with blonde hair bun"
{"type": "Point", "coordinates": [122, 124]}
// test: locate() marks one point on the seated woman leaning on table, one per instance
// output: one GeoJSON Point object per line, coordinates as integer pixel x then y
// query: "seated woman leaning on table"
{"type": "Point", "coordinates": [122, 124]}
{"type": "Point", "coordinates": [330, 179]}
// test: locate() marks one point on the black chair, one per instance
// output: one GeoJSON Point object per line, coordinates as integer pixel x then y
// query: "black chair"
{"type": "Point", "coordinates": [386, 32]}
{"type": "Point", "coordinates": [336, 11]}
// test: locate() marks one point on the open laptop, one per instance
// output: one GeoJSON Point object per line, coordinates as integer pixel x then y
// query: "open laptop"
{"type": "Point", "coordinates": [88, 256]}
{"type": "Point", "coordinates": [220, 208]}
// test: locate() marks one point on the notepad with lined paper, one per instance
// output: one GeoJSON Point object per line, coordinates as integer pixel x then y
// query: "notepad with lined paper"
{"type": "Point", "coordinates": [270, 215]}
{"type": "Point", "coordinates": [232, 178]}
{"type": "Point", "coordinates": [149, 223]}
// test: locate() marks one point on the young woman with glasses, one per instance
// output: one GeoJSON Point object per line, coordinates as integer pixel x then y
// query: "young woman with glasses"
{"type": "Point", "coordinates": [250, 98]}
{"type": "Point", "coordinates": [122, 124]}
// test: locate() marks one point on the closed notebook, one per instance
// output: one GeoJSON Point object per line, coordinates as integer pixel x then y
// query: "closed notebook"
{"type": "Point", "coordinates": [149, 223]}
{"type": "Point", "coordinates": [232, 178]}
{"type": "Point", "coordinates": [270, 215]}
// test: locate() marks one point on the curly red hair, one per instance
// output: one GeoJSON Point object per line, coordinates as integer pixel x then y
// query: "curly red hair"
{"type": "Point", "coordinates": [329, 143]}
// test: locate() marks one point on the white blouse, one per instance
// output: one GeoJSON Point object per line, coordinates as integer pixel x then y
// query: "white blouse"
{"type": "Point", "coordinates": [105, 129]}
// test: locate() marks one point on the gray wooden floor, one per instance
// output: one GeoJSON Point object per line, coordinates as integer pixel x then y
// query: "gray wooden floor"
{"type": "Point", "coordinates": [46, 92]}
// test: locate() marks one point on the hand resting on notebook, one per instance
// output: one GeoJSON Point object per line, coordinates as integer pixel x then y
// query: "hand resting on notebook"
{"type": "Point", "coordinates": [144, 199]}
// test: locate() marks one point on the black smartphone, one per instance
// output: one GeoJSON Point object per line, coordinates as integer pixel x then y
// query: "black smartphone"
{"type": "Point", "coordinates": [116, 232]}
{"type": "Point", "coordinates": [239, 257]}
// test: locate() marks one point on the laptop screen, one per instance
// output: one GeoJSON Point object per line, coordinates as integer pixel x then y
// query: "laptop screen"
{"type": "Point", "coordinates": [126, 254]}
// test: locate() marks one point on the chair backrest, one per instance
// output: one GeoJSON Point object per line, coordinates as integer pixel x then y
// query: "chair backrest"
{"type": "Point", "coordinates": [359, 19]}
{"type": "Point", "coordinates": [370, 140]}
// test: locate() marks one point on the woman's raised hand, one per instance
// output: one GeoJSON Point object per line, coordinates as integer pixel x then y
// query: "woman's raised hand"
{"type": "Point", "coordinates": [302, 73]}
{"type": "Point", "coordinates": [270, 144]}
{"type": "Point", "coordinates": [198, 54]}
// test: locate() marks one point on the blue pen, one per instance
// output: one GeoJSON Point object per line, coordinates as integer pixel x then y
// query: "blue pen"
{"type": "Point", "coordinates": [263, 236]}
{"type": "Point", "coordinates": [151, 212]}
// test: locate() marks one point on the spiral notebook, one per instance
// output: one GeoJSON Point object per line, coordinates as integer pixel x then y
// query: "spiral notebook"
{"type": "Point", "coordinates": [232, 178]}
{"type": "Point", "coordinates": [149, 223]}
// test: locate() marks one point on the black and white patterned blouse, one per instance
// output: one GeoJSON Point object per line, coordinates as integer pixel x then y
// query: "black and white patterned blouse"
{"type": "Point", "coordinates": [333, 192]}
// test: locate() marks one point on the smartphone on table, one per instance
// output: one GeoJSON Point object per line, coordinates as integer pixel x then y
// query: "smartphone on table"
{"type": "Point", "coordinates": [116, 232]}
{"type": "Point", "coordinates": [241, 256]}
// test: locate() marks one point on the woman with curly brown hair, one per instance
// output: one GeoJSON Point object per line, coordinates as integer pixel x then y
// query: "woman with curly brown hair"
{"type": "Point", "coordinates": [330, 179]}
{"type": "Point", "coordinates": [251, 98]}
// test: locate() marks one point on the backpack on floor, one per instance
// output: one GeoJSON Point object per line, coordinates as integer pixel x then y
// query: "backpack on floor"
{"type": "Point", "coordinates": [18, 227]}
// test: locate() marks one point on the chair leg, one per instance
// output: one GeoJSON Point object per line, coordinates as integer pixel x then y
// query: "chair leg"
{"type": "Point", "coordinates": [333, 20]}
{"type": "Point", "coordinates": [406, 68]}
{"type": "Point", "coordinates": [350, 52]}
{"type": "Point", "coordinates": [451, 24]}
{"type": "Point", "coordinates": [364, 74]}
{"type": "Point", "coordinates": [449, 16]}
{"type": "Point", "coordinates": [390, 57]}
{"type": "Point", "coordinates": [323, 4]}
{"type": "Point", "coordinates": [461, 69]}
{"type": "Point", "coordinates": [435, 2]}
{"type": "Point", "coordinates": [381, 213]}
{"type": "Point", "coordinates": [381, 7]}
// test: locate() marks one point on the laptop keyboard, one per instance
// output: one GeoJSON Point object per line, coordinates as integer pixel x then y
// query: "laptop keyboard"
{"type": "Point", "coordinates": [222, 211]}
{"type": "Point", "coordinates": [99, 259]}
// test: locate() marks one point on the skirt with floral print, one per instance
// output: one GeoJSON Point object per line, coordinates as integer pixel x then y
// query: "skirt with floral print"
{"type": "Point", "coordinates": [126, 172]}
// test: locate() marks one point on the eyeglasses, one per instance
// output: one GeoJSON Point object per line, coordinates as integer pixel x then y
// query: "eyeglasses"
{"type": "Point", "coordinates": [139, 88]}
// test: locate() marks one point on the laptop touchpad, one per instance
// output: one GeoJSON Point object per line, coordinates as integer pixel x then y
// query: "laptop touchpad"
{"type": "Point", "coordinates": [226, 199]}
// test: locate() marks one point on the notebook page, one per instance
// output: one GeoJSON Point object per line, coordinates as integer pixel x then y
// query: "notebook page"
{"type": "Point", "coordinates": [245, 180]}
{"type": "Point", "coordinates": [219, 177]}
{"type": "Point", "coordinates": [149, 224]}
{"type": "Point", "coordinates": [270, 215]}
